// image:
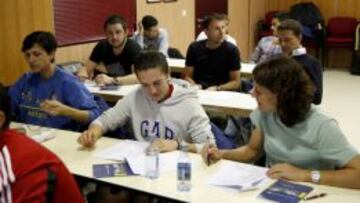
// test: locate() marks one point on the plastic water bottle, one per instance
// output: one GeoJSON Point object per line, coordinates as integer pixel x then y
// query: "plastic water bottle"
{"type": "Point", "coordinates": [152, 162]}
{"type": "Point", "coordinates": [184, 169]}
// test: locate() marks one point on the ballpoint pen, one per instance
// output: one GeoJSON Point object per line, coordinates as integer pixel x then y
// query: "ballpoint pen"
{"type": "Point", "coordinates": [315, 196]}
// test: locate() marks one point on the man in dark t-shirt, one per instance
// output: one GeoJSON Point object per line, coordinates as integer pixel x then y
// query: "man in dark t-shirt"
{"type": "Point", "coordinates": [213, 63]}
{"type": "Point", "coordinates": [112, 59]}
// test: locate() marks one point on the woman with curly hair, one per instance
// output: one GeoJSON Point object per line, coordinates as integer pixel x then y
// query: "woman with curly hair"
{"type": "Point", "coordinates": [300, 142]}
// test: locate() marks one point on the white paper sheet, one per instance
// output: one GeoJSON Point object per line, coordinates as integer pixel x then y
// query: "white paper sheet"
{"type": "Point", "coordinates": [44, 136]}
{"type": "Point", "coordinates": [122, 150]}
{"type": "Point", "coordinates": [37, 133]}
{"type": "Point", "coordinates": [238, 176]}
{"type": "Point", "coordinates": [167, 163]}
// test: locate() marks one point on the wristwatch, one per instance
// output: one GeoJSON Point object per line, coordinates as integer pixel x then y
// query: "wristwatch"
{"type": "Point", "coordinates": [315, 176]}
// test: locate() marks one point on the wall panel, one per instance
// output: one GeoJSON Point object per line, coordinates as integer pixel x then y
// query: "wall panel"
{"type": "Point", "coordinates": [349, 8]}
{"type": "Point", "coordinates": [80, 52]}
{"type": "Point", "coordinates": [238, 13]}
{"type": "Point", "coordinates": [17, 19]}
{"type": "Point", "coordinates": [177, 17]}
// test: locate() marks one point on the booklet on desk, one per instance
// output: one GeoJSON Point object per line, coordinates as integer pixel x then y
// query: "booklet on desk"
{"type": "Point", "coordinates": [285, 192]}
{"type": "Point", "coordinates": [112, 169]}
{"type": "Point", "coordinates": [110, 87]}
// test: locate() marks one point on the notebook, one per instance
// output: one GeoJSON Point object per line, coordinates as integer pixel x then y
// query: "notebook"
{"type": "Point", "coordinates": [286, 192]}
{"type": "Point", "coordinates": [112, 170]}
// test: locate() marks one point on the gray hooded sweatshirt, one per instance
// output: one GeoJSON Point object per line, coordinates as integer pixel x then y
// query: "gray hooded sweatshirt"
{"type": "Point", "coordinates": [180, 116]}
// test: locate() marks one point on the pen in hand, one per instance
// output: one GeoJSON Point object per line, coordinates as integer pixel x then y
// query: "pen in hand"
{"type": "Point", "coordinates": [208, 151]}
{"type": "Point", "coordinates": [315, 196]}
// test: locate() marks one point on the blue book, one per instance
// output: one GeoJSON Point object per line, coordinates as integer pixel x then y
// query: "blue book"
{"type": "Point", "coordinates": [112, 169]}
{"type": "Point", "coordinates": [286, 192]}
{"type": "Point", "coordinates": [109, 87]}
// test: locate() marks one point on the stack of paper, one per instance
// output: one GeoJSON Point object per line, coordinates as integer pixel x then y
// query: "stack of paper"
{"type": "Point", "coordinates": [238, 176]}
{"type": "Point", "coordinates": [167, 162]}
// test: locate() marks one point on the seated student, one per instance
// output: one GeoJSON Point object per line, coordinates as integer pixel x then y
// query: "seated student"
{"type": "Point", "coordinates": [150, 36]}
{"type": "Point", "coordinates": [213, 64]}
{"type": "Point", "coordinates": [29, 172]}
{"type": "Point", "coordinates": [158, 108]}
{"type": "Point", "coordinates": [112, 57]}
{"type": "Point", "coordinates": [48, 95]}
{"type": "Point", "coordinates": [269, 46]}
{"type": "Point", "coordinates": [228, 38]}
{"type": "Point", "coordinates": [301, 143]}
{"type": "Point", "coordinates": [289, 34]}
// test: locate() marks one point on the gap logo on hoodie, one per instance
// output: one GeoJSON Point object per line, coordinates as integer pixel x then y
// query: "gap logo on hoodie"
{"type": "Point", "coordinates": [153, 128]}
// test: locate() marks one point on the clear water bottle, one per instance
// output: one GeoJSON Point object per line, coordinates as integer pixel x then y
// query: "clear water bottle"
{"type": "Point", "coordinates": [152, 162]}
{"type": "Point", "coordinates": [184, 169]}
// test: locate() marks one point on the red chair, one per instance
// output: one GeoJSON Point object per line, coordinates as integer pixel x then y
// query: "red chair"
{"type": "Point", "coordinates": [340, 34]}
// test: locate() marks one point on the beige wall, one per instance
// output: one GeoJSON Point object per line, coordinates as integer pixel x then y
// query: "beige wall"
{"type": "Point", "coordinates": [177, 17]}
{"type": "Point", "coordinates": [244, 15]}
{"type": "Point", "coordinates": [17, 19]}
{"type": "Point", "coordinates": [79, 52]}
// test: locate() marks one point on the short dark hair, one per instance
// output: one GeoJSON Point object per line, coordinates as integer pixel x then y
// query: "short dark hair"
{"type": "Point", "coordinates": [281, 16]}
{"type": "Point", "coordinates": [292, 25]}
{"type": "Point", "coordinates": [210, 18]}
{"type": "Point", "coordinates": [5, 106]}
{"type": "Point", "coordinates": [149, 59]}
{"type": "Point", "coordinates": [148, 22]}
{"type": "Point", "coordinates": [114, 19]}
{"type": "Point", "coordinates": [285, 77]}
{"type": "Point", "coordinates": [44, 39]}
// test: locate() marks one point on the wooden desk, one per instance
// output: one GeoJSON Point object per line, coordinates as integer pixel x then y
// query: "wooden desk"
{"type": "Point", "coordinates": [80, 163]}
{"type": "Point", "coordinates": [230, 103]}
{"type": "Point", "coordinates": [178, 66]}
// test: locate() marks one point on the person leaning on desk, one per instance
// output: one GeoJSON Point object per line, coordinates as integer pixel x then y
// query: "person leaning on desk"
{"type": "Point", "coordinates": [48, 95]}
{"type": "Point", "coordinates": [159, 108]}
{"type": "Point", "coordinates": [112, 57]}
{"type": "Point", "coordinates": [301, 143]}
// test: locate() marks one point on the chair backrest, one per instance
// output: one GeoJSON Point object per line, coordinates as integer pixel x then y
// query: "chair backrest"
{"type": "Point", "coordinates": [342, 26]}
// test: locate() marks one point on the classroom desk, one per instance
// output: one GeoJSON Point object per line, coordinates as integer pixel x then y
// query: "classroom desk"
{"type": "Point", "coordinates": [178, 66]}
{"type": "Point", "coordinates": [80, 163]}
{"type": "Point", "coordinates": [229, 103]}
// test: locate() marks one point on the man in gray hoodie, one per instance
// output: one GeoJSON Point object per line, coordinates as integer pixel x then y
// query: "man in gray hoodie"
{"type": "Point", "coordinates": [159, 108]}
